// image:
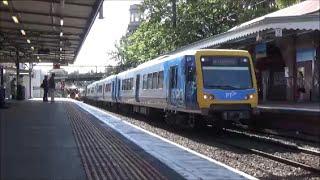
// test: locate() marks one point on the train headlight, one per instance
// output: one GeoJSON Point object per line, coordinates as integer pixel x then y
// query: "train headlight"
{"type": "Point", "coordinates": [208, 97]}
{"type": "Point", "coordinates": [249, 96]}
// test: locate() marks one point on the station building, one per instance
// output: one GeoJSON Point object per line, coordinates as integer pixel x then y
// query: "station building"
{"type": "Point", "coordinates": [284, 44]}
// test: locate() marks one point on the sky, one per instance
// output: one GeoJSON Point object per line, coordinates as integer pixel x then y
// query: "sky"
{"type": "Point", "coordinates": [102, 37]}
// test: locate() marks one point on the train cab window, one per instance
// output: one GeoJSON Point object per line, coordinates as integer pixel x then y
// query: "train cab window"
{"type": "Point", "coordinates": [160, 80]}
{"type": "Point", "coordinates": [149, 81]}
{"type": "Point", "coordinates": [174, 77]}
{"type": "Point", "coordinates": [154, 80]}
{"type": "Point", "coordinates": [145, 81]}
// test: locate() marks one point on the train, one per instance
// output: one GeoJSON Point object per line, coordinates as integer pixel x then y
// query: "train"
{"type": "Point", "coordinates": [192, 88]}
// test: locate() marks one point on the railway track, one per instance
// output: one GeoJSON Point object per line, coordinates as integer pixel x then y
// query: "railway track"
{"type": "Point", "coordinates": [294, 149]}
{"type": "Point", "coordinates": [275, 158]}
{"type": "Point", "coordinates": [266, 139]}
{"type": "Point", "coordinates": [292, 135]}
{"type": "Point", "coordinates": [256, 161]}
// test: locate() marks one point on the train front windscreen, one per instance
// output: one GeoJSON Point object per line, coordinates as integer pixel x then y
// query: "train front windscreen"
{"type": "Point", "coordinates": [228, 73]}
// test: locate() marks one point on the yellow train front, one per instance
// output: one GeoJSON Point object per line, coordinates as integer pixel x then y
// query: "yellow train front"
{"type": "Point", "coordinates": [226, 84]}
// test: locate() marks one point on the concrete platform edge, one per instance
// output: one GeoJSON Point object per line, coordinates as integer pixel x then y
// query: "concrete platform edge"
{"type": "Point", "coordinates": [187, 174]}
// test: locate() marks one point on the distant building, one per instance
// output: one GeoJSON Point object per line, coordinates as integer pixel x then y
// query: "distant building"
{"type": "Point", "coordinates": [136, 18]}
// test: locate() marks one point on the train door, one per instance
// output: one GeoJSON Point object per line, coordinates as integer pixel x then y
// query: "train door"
{"type": "Point", "coordinates": [173, 84]}
{"type": "Point", "coordinates": [137, 87]}
{"type": "Point", "coordinates": [113, 95]}
{"type": "Point", "coordinates": [191, 86]}
{"type": "Point", "coordinates": [103, 90]}
{"type": "Point", "coordinates": [118, 89]}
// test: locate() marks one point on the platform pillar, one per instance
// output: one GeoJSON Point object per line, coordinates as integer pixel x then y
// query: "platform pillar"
{"type": "Point", "coordinates": [316, 72]}
{"type": "Point", "coordinates": [288, 51]}
{"type": "Point", "coordinates": [2, 90]}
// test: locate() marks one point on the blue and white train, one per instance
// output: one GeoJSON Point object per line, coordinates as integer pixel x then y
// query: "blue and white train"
{"type": "Point", "coordinates": [197, 85]}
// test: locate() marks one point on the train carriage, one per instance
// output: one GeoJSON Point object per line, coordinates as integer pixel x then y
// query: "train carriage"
{"type": "Point", "coordinates": [211, 83]}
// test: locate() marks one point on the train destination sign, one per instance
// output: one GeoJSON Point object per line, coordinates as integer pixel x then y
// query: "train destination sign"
{"type": "Point", "coordinates": [224, 61]}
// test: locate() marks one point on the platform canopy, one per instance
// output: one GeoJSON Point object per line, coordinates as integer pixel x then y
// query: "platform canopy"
{"type": "Point", "coordinates": [299, 18]}
{"type": "Point", "coordinates": [45, 30]}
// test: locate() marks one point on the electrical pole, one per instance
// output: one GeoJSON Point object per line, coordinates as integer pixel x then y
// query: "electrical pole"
{"type": "Point", "coordinates": [101, 12]}
{"type": "Point", "coordinates": [18, 74]}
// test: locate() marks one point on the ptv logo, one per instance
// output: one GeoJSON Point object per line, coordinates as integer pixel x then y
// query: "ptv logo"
{"type": "Point", "coordinates": [229, 95]}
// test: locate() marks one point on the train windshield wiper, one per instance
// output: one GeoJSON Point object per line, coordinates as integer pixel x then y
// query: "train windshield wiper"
{"type": "Point", "coordinates": [225, 87]}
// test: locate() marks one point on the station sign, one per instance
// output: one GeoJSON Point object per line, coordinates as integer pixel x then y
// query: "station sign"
{"type": "Point", "coordinates": [278, 32]}
{"type": "Point", "coordinates": [261, 50]}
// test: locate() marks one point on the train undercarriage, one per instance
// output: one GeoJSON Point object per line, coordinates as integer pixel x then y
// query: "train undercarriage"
{"type": "Point", "coordinates": [184, 120]}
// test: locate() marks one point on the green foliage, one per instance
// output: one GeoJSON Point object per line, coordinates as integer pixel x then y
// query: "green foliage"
{"type": "Point", "coordinates": [196, 20]}
{"type": "Point", "coordinates": [285, 3]}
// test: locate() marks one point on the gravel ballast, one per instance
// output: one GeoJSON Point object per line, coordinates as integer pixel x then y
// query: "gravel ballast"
{"type": "Point", "coordinates": [204, 142]}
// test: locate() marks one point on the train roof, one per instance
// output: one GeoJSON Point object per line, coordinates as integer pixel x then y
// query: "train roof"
{"type": "Point", "coordinates": [165, 58]}
{"type": "Point", "coordinates": [184, 53]}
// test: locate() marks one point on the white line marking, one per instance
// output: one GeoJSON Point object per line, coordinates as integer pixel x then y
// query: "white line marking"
{"type": "Point", "coordinates": [82, 105]}
{"type": "Point", "coordinates": [288, 108]}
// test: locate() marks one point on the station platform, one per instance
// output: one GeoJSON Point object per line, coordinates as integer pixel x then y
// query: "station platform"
{"type": "Point", "coordinates": [296, 118]}
{"type": "Point", "coordinates": [72, 140]}
{"type": "Point", "coordinates": [306, 108]}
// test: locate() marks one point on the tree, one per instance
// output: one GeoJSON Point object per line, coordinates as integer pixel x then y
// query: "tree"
{"type": "Point", "coordinates": [285, 3]}
{"type": "Point", "coordinates": [196, 20]}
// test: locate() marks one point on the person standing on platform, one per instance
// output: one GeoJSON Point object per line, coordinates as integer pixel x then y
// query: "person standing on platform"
{"type": "Point", "coordinates": [52, 87]}
{"type": "Point", "coordinates": [13, 88]}
{"type": "Point", "coordinates": [301, 86]}
{"type": "Point", "coordinates": [45, 87]}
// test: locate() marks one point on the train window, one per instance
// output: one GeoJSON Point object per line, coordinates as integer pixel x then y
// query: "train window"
{"type": "Point", "coordinates": [123, 85]}
{"type": "Point", "coordinates": [144, 81]}
{"type": "Point", "coordinates": [107, 87]}
{"type": "Point", "coordinates": [100, 89]}
{"type": "Point", "coordinates": [154, 80]}
{"type": "Point", "coordinates": [160, 80]}
{"type": "Point", "coordinates": [129, 84]}
{"type": "Point", "coordinates": [149, 80]}
{"type": "Point", "coordinates": [132, 83]}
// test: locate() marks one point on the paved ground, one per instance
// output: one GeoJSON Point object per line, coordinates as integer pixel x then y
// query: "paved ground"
{"type": "Point", "coordinates": [59, 141]}
{"type": "Point", "coordinates": [37, 143]}
{"type": "Point", "coordinates": [188, 163]}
